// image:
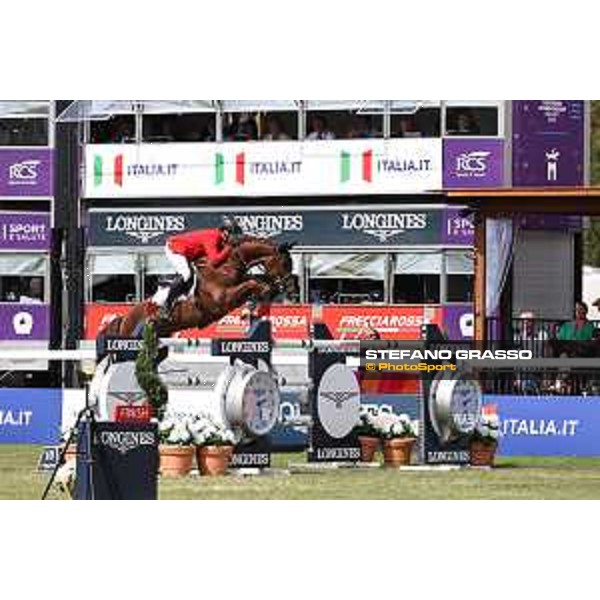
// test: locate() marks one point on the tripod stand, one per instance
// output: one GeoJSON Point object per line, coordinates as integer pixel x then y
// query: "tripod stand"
{"type": "Point", "coordinates": [86, 418]}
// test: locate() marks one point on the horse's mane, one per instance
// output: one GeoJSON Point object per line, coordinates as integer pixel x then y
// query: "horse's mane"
{"type": "Point", "coordinates": [245, 238]}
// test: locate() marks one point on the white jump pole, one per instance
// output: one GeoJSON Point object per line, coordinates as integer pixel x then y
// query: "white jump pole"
{"type": "Point", "coordinates": [21, 355]}
{"type": "Point", "coordinates": [279, 344]}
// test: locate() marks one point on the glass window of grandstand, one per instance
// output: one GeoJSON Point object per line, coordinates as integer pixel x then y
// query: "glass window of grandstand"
{"type": "Point", "coordinates": [24, 123]}
{"type": "Point", "coordinates": [344, 119]}
{"type": "Point", "coordinates": [417, 278]}
{"type": "Point", "coordinates": [180, 127]}
{"type": "Point", "coordinates": [459, 274]}
{"type": "Point", "coordinates": [294, 291]}
{"type": "Point", "coordinates": [23, 278]}
{"type": "Point", "coordinates": [346, 278]}
{"type": "Point", "coordinates": [410, 119]}
{"type": "Point", "coordinates": [265, 120]}
{"type": "Point", "coordinates": [117, 129]}
{"type": "Point", "coordinates": [464, 119]}
{"type": "Point", "coordinates": [113, 278]}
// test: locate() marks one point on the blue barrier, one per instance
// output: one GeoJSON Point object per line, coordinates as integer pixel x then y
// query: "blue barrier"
{"type": "Point", "coordinates": [548, 425]}
{"type": "Point", "coordinates": [30, 416]}
{"type": "Point", "coordinates": [292, 438]}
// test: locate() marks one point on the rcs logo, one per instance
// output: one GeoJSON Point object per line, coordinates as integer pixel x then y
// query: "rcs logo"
{"type": "Point", "coordinates": [472, 162]}
{"type": "Point", "coordinates": [24, 172]}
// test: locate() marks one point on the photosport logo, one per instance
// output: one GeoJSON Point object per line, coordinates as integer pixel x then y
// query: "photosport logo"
{"type": "Point", "coordinates": [24, 173]}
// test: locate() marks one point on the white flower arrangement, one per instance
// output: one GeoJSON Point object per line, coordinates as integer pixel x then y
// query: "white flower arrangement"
{"type": "Point", "coordinates": [175, 431]}
{"type": "Point", "coordinates": [488, 429]}
{"type": "Point", "coordinates": [205, 432]}
{"type": "Point", "coordinates": [390, 426]}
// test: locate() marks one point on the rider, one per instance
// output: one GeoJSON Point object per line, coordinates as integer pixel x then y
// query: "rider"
{"type": "Point", "coordinates": [185, 248]}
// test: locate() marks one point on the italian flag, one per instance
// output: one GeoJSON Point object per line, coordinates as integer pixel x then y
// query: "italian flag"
{"type": "Point", "coordinates": [240, 168]}
{"type": "Point", "coordinates": [117, 170]}
{"type": "Point", "coordinates": [366, 166]}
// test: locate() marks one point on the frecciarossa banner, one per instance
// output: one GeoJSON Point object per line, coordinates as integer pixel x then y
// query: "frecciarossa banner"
{"type": "Point", "coordinates": [294, 321]}
{"type": "Point", "coordinates": [263, 168]}
{"type": "Point", "coordinates": [350, 227]}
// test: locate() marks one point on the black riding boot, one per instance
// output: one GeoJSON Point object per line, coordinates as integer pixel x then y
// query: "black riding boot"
{"type": "Point", "coordinates": [177, 288]}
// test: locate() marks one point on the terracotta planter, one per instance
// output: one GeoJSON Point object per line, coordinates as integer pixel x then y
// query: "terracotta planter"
{"type": "Point", "coordinates": [368, 448]}
{"type": "Point", "coordinates": [176, 461]}
{"type": "Point", "coordinates": [214, 461]}
{"type": "Point", "coordinates": [398, 452]}
{"type": "Point", "coordinates": [482, 455]}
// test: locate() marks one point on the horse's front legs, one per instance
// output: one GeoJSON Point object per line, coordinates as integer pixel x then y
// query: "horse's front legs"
{"type": "Point", "coordinates": [239, 295]}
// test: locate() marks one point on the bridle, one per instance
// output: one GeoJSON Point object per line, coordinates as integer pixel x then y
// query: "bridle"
{"type": "Point", "coordinates": [278, 282]}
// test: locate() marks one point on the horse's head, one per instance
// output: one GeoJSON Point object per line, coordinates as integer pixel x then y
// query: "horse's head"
{"type": "Point", "coordinates": [276, 262]}
{"type": "Point", "coordinates": [278, 267]}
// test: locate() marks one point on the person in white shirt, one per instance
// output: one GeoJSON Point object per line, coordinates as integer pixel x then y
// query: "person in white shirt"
{"type": "Point", "coordinates": [275, 131]}
{"type": "Point", "coordinates": [35, 293]}
{"type": "Point", "coordinates": [318, 129]}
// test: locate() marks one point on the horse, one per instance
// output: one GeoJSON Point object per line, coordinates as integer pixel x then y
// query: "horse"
{"type": "Point", "coordinates": [257, 269]}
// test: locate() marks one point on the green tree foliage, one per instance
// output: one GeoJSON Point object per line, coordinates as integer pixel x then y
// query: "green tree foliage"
{"type": "Point", "coordinates": [591, 240]}
{"type": "Point", "coordinates": [146, 372]}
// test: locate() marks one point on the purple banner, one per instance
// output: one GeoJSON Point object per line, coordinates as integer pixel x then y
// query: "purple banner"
{"type": "Point", "coordinates": [551, 222]}
{"type": "Point", "coordinates": [24, 231]}
{"type": "Point", "coordinates": [24, 322]}
{"type": "Point", "coordinates": [459, 322]}
{"type": "Point", "coordinates": [26, 173]}
{"type": "Point", "coordinates": [457, 229]}
{"type": "Point", "coordinates": [473, 163]}
{"type": "Point", "coordinates": [548, 142]}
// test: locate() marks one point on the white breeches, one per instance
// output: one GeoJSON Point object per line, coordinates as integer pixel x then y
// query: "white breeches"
{"type": "Point", "coordinates": [181, 266]}
{"type": "Point", "coordinates": [180, 263]}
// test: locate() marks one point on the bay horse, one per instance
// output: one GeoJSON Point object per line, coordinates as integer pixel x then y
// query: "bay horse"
{"type": "Point", "coordinates": [257, 269]}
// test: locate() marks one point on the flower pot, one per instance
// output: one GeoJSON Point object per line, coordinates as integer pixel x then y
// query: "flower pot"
{"type": "Point", "coordinates": [176, 461]}
{"type": "Point", "coordinates": [482, 454]}
{"type": "Point", "coordinates": [398, 452]}
{"type": "Point", "coordinates": [214, 461]}
{"type": "Point", "coordinates": [368, 448]}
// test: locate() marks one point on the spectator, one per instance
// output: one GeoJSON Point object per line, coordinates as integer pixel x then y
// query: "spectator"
{"type": "Point", "coordinates": [247, 129]}
{"type": "Point", "coordinates": [580, 329]}
{"type": "Point", "coordinates": [318, 129]}
{"type": "Point", "coordinates": [11, 294]}
{"type": "Point", "coordinates": [275, 131]}
{"type": "Point", "coordinates": [528, 338]}
{"type": "Point", "coordinates": [526, 334]}
{"type": "Point", "coordinates": [408, 128]}
{"type": "Point", "coordinates": [121, 133]}
{"type": "Point", "coordinates": [466, 124]}
{"type": "Point", "coordinates": [35, 292]}
{"type": "Point", "coordinates": [209, 134]}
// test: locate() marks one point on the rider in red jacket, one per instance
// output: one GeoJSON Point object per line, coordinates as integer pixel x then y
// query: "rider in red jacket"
{"type": "Point", "coordinates": [185, 248]}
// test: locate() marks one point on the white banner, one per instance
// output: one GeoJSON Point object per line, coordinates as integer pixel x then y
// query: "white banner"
{"type": "Point", "coordinates": [263, 168]}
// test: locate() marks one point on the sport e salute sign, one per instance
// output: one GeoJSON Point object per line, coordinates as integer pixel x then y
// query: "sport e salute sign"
{"type": "Point", "coordinates": [263, 169]}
